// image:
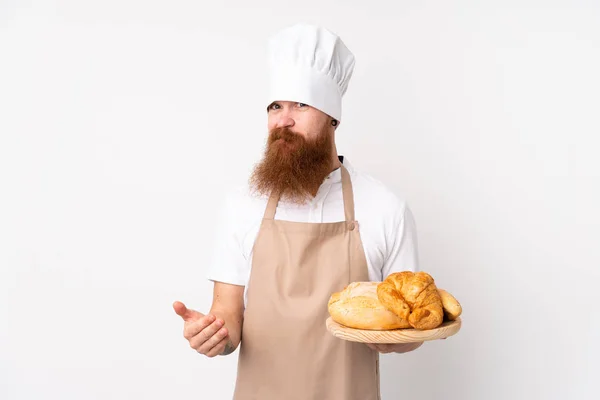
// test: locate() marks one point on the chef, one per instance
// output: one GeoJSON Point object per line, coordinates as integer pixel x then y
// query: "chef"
{"type": "Point", "coordinates": [307, 224]}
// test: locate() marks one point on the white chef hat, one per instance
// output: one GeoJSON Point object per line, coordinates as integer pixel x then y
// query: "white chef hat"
{"type": "Point", "coordinates": [310, 65]}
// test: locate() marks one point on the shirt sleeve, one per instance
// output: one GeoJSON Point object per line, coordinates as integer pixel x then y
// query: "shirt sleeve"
{"type": "Point", "coordinates": [403, 254]}
{"type": "Point", "coordinates": [228, 263]}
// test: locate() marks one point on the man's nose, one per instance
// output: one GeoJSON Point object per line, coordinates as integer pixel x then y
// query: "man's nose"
{"type": "Point", "coordinates": [285, 121]}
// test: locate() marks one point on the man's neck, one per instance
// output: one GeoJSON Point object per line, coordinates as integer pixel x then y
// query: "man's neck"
{"type": "Point", "coordinates": [336, 163]}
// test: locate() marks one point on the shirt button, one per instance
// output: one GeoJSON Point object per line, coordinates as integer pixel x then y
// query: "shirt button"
{"type": "Point", "coordinates": [351, 226]}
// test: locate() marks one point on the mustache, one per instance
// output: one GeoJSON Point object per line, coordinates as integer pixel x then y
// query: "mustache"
{"type": "Point", "coordinates": [285, 134]}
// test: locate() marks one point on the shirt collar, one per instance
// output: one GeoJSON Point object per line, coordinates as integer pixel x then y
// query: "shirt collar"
{"type": "Point", "coordinates": [336, 175]}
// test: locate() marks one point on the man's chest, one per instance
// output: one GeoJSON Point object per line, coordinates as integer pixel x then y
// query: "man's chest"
{"type": "Point", "coordinates": [326, 211]}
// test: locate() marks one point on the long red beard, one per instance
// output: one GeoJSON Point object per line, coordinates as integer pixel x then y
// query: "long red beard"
{"type": "Point", "coordinates": [292, 165]}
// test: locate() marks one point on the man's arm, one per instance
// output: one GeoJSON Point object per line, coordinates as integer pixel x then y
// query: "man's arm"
{"type": "Point", "coordinates": [402, 243]}
{"type": "Point", "coordinates": [401, 236]}
{"type": "Point", "coordinates": [228, 305]}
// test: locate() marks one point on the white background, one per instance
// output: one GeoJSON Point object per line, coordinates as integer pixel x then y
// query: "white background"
{"type": "Point", "coordinates": [122, 123]}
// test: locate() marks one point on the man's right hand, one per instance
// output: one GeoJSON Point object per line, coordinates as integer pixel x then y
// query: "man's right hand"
{"type": "Point", "coordinates": [205, 333]}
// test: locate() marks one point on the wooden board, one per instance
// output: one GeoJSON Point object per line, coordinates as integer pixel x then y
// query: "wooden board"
{"type": "Point", "coordinates": [445, 330]}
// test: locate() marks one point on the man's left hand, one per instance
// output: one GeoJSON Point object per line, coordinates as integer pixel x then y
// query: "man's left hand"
{"type": "Point", "coordinates": [394, 348]}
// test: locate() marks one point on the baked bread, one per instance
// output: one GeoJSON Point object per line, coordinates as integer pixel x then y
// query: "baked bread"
{"type": "Point", "coordinates": [402, 300]}
{"type": "Point", "coordinates": [412, 296]}
{"type": "Point", "coordinates": [452, 308]}
{"type": "Point", "coordinates": [357, 306]}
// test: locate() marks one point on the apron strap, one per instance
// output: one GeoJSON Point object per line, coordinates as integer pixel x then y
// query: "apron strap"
{"type": "Point", "coordinates": [271, 206]}
{"type": "Point", "coordinates": [346, 191]}
{"type": "Point", "coordinates": [348, 195]}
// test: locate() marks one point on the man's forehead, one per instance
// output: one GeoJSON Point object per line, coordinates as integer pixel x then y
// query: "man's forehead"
{"type": "Point", "coordinates": [287, 102]}
{"type": "Point", "coordinates": [290, 103]}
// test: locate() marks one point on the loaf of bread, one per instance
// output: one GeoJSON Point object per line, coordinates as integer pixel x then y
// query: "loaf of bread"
{"type": "Point", "coordinates": [403, 300]}
{"type": "Point", "coordinates": [357, 306]}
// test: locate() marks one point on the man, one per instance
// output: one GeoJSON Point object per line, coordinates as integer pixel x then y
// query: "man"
{"type": "Point", "coordinates": [309, 225]}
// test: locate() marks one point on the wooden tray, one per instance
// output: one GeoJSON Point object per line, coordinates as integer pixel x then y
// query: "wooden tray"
{"type": "Point", "coordinates": [445, 330]}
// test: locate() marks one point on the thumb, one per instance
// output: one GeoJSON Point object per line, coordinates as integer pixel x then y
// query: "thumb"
{"type": "Point", "coordinates": [186, 313]}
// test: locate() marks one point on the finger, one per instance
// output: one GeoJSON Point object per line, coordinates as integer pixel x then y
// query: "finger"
{"type": "Point", "coordinates": [205, 334]}
{"type": "Point", "coordinates": [384, 348]}
{"type": "Point", "coordinates": [378, 347]}
{"type": "Point", "coordinates": [179, 308]}
{"type": "Point", "coordinates": [218, 348]}
{"type": "Point", "coordinates": [212, 341]}
{"type": "Point", "coordinates": [371, 346]}
{"type": "Point", "coordinates": [186, 313]}
{"type": "Point", "coordinates": [193, 328]}
{"type": "Point", "coordinates": [408, 347]}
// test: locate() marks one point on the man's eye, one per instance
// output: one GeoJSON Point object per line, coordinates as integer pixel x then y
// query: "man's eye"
{"type": "Point", "coordinates": [302, 105]}
{"type": "Point", "coordinates": [274, 106]}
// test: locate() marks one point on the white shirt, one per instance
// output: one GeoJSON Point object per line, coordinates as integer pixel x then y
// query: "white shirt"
{"type": "Point", "coordinates": [386, 224]}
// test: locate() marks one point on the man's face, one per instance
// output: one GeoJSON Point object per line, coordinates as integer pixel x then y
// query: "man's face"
{"type": "Point", "coordinates": [298, 117]}
{"type": "Point", "coordinates": [299, 152]}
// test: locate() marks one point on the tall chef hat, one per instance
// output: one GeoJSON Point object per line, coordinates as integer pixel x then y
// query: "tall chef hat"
{"type": "Point", "coordinates": [310, 65]}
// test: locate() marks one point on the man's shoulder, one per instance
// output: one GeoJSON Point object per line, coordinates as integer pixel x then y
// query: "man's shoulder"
{"type": "Point", "coordinates": [242, 202]}
{"type": "Point", "coordinates": [376, 194]}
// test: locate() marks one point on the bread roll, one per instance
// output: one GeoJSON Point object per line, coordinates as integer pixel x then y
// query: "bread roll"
{"type": "Point", "coordinates": [357, 306]}
{"type": "Point", "coordinates": [452, 308]}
